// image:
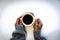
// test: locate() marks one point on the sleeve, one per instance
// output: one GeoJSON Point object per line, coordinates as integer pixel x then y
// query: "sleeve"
{"type": "Point", "coordinates": [19, 33]}
{"type": "Point", "coordinates": [37, 35]}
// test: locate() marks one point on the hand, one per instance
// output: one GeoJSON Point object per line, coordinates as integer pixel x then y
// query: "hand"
{"type": "Point", "coordinates": [37, 25]}
{"type": "Point", "coordinates": [19, 21]}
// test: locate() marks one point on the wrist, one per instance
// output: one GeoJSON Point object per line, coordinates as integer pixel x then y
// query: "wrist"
{"type": "Point", "coordinates": [35, 30]}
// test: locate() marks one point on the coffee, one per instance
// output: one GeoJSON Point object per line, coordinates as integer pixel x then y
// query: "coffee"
{"type": "Point", "coordinates": [27, 19]}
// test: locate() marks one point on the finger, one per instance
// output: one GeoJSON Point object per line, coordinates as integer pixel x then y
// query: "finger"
{"type": "Point", "coordinates": [20, 16]}
{"type": "Point", "coordinates": [36, 23]}
{"type": "Point", "coordinates": [17, 21]}
{"type": "Point", "coordinates": [39, 21]}
{"type": "Point", "coordinates": [20, 19]}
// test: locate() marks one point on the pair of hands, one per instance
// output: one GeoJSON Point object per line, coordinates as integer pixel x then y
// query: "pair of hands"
{"type": "Point", "coordinates": [37, 25]}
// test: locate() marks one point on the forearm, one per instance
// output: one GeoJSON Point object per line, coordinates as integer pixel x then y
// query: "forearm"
{"type": "Point", "coordinates": [19, 34]}
{"type": "Point", "coordinates": [37, 35]}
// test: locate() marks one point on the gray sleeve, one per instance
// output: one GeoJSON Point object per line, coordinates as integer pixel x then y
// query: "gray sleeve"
{"type": "Point", "coordinates": [19, 27]}
{"type": "Point", "coordinates": [37, 35]}
{"type": "Point", "coordinates": [19, 33]}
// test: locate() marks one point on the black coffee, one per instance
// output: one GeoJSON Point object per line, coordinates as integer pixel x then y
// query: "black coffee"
{"type": "Point", "coordinates": [27, 19]}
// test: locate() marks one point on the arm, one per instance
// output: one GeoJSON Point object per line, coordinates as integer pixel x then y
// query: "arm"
{"type": "Point", "coordinates": [19, 34]}
{"type": "Point", "coordinates": [37, 30]}
{"type": "Point", "coordinates": [37, 35]}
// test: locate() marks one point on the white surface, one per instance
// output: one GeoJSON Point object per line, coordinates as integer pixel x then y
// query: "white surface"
{"type": "Point", "coordinates": [43, 10]}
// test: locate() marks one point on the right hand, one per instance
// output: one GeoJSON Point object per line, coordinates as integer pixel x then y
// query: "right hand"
{"type": "Point", "coordinates": [19, 21]}
{"type": "Point", "coordinates": [37, 25]}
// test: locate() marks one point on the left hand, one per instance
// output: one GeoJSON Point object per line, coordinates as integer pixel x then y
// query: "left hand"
{"type": "Point", "coordinates": [19, 21]}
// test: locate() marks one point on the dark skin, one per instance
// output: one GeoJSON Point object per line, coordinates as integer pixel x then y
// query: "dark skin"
{"type": "Point", "coordinates": [37, 25]}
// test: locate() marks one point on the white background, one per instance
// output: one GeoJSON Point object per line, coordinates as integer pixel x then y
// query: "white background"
{"type": "Point", "coordinates": [47, 11]}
